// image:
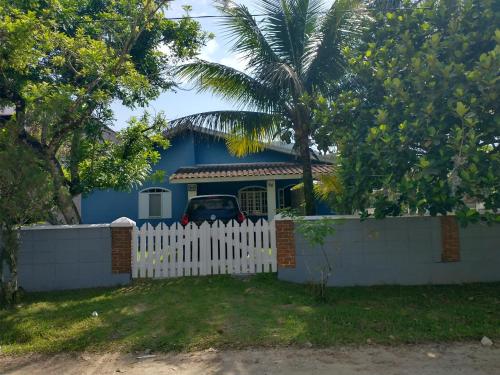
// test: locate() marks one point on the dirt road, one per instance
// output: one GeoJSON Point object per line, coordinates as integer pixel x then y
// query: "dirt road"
{"type": "Point", "coordinates": [467, 359]}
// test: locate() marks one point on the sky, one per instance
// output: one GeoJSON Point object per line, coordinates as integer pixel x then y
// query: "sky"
{"type": "Point", "coordinates": [187, 101]}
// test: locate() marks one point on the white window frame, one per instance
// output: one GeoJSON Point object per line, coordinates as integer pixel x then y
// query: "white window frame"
{"type": "Point", "coordinates": [258, 197]}
{"type": "Point", "coordinates": [165, 203]}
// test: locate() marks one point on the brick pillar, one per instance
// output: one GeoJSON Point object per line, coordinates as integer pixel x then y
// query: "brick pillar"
{"type": "Point", "coordinates": [121, 245]}
{"type": "Point", "coordinates": [450, 239]}
{"type": "Point", "coordinates": [285, 243]}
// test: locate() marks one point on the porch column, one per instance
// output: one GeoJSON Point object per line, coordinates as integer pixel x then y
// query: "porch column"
{"type": "Point", "coordinates": [271, 199]}
{"type": "Point", "coordinates": [192, 190]}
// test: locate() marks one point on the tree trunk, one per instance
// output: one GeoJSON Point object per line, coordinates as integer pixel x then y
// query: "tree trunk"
{"type": "Point", "coordinates": [64, 200]}
{"type": "Point", "coordinates": [68, 211]}
{"type": "Point", "coordinates": [74, 160]}
{"type": "Point", "coordinates": [305, 158]}
{"type": "Point", "coordinates": [9, 291]}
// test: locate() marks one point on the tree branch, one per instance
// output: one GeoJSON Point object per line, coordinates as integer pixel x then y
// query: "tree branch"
{"type": "Point", "coordinates": [61, 134]}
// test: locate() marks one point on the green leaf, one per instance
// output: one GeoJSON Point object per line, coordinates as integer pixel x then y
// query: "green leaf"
{"type": "Point", "coordinates": [461, 109]}
{"type": "Point", "coordinates": [424, 163]}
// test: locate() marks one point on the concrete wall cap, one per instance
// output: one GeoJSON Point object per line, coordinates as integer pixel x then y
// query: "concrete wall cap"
{"type": "Point", "coordinates": [351, 217]}
{"type": "Point", "coordinates": [76, 226]}
{"type": "Point", "coordinates": [123, 222]}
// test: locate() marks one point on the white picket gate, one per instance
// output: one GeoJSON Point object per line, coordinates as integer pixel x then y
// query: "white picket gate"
{"type": "Point", "coordinates": [215, 249]}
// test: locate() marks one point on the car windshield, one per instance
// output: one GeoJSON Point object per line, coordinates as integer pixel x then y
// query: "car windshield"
{"type": "Point", "coordinates": [215, 203]}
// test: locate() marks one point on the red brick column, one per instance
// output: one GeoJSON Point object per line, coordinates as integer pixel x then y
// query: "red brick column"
{"type": "Point", "coordinates": [285, 243]}
{"type": "Point", "coordinates": [450, 239]}
{"type": "Point", "coordinates": [121, 245]}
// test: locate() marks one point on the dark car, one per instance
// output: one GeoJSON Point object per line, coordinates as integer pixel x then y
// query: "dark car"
{"type": "Point", "coordinates": [211, 208]}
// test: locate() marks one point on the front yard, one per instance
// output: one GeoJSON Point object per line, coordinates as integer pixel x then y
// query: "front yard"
{"type": "Point", "coordinates": [223, 311]}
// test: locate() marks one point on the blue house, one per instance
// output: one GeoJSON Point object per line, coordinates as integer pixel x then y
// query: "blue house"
{"type": "Point", "coordinates": [198, 163]}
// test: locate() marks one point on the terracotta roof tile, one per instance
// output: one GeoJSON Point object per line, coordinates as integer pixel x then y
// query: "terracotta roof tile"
{"type": "Point", "coordinates": [245, 170]}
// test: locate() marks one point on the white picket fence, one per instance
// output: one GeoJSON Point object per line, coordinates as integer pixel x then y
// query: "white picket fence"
{"type": "Point", "coordinates": [176, 251]}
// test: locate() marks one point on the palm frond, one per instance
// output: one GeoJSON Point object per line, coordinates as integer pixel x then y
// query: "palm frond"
{"type": "Point", "coordinates": [246, 132]}
{"type": "Point", "coordinates": [289, 26]}
{"type": "Point", "coordinates": [277, 29]}
{"type": "Point", "coordinates": [241, 145]}
{"type": "Point", "coordinates": [328, 185]}
{"type": "Point", "coordinates": [311, 11]}
{"type": "Point", "coordinates": [341, 27]}
{"type": "Point", "coordinates": [246, 36]}
{"type": "Point", "coordinates": [265, 62]}
{"type": "Point", "coordinates": [231, 84]}
{"type": "Point", "coordinates": [324, 187]}
{"type": "Point", "coordinates": [259, 125]}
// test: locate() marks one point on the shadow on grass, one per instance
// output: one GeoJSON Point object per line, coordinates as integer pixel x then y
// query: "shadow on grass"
{"type": "Point", "coordinates": [222, 311]}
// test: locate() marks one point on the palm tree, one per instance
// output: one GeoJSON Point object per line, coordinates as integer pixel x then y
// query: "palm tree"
{"type": "Point", "coordinates": [293, 53]}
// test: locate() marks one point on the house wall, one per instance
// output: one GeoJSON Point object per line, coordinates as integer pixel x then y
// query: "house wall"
{"type": "Point", "coordinates": [104, 206]}
{"type": "Point", "coordinates": [402, 251]}
{"type": "Point", "coordinates": [186, 149]}
{"type": "Point", "coordinates": [209, 150]}
{"type": "Point", "coordinates": [67, 257]}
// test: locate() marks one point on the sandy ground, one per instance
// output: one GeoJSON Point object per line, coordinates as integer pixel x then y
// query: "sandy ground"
{"type": "Point", "coordinates": [470, 359]}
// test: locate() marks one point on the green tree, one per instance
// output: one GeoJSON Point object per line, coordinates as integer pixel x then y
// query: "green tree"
{"type": "Point", "coordinates": [124, 161]}
{"type": "Point", "coordinates": [293, 52]}
{"type": "Point", "coordinates": [64, 62]}
{"type": "Point", "coordinates": [420, 129]}
{"type": "Point", "coordinates": [24, 198]}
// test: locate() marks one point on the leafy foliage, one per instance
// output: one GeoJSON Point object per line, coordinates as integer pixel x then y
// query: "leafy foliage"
{"type": "Point", "coordinates": [25, 197]}
{"type": "Point", "coordinates": [125, 162]}
{"type": "Point", "coordinates": [294, 52]}
{"type": "Point", "coordinates": [24, 184]}
{"type": "Point", "coordinates": [420, 129]}
{"type": "Point", "coordinates": [64, 62]}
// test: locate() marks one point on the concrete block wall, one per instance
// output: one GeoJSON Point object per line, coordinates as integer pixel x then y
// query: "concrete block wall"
{"type": "Point", "coordinates": [405, 251]}
{"type": "Point", "coordinates": [69, 257]}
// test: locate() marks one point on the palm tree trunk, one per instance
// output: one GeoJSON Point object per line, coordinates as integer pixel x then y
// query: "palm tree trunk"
{"type": "Point", "coordinates": [305, 158]}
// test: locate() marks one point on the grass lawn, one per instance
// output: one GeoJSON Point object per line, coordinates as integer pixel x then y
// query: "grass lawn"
{"type": "Point", "coordinates": [222, 311]}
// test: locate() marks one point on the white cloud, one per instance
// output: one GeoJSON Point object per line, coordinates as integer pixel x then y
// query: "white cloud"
{"type": "Point", "coordinates": [236, 61]}
{"type": "Point", "coordinates": [208, 51]}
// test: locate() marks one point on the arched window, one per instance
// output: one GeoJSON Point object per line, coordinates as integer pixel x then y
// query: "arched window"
{"type": "Point", "coordinates": [155, 203]}
{"type": "Point", "coordinates": [253, 200]}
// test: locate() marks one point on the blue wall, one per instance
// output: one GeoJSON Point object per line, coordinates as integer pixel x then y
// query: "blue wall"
{"type": "Point", "coordinates": [106, 206]}
{"type": "Point", "coordinates": [214, 151]}
{"type": "Point", "coordinates": [186, 149]}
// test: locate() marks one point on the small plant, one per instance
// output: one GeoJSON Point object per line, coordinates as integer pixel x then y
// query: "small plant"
{"type": "Point", "coordinates": [315, 232]}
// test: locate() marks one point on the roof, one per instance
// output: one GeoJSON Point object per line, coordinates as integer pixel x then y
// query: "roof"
{"type": "Point", "coordinates": [244, 172]}
{"type": "Point", "coordinates": [274, 146]}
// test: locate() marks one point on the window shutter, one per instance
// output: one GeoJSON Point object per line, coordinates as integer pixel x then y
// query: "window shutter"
{"type": "Point", "coordinates": [166, 205]}
{"type": "Point", "coordinates": [143, 205]}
